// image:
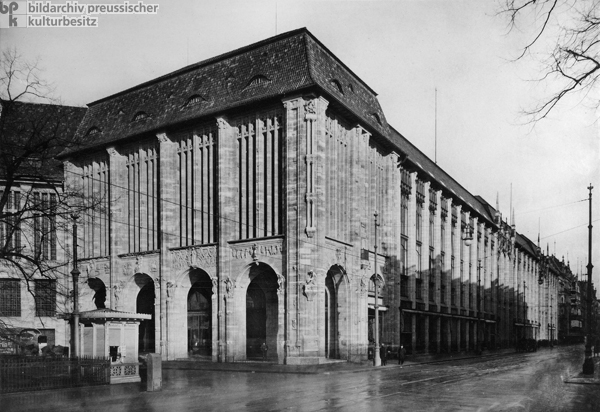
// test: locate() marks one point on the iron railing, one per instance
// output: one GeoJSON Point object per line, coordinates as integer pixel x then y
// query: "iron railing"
{"type": "Point", "coordinates": [19, 374]}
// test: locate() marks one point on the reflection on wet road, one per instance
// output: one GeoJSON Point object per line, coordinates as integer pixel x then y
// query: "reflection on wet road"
{"type": "Point", "coordinates": [518, 382]}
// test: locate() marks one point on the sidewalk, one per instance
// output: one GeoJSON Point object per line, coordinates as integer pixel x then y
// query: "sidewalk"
{"type": "Point", "coordinates": [576, 376]}
{"type": "Point", "coordinates": [328, 368]}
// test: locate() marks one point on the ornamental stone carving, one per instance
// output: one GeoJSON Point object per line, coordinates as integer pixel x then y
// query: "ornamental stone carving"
{"type": "Point", "coordinates": [229, 286]}
{"type": "Point", "coordinates": [112, 151]}
{"type": "Point", "coordinates": [127, 268]}
{"type": "Point", "coordinates": [310, 286]}
{"type": "Point", "coordinates": [256, 250]}
{"type": "Point", "coordinates": [117, 289]}
{"type": "Point", "coordinates": [193, 257]}
{"type": "Point", "coordinates": [280, 284]}
{"type": "Point", "coordinates": [162, 138]}
{"type": "Point", "coordinates": [338, 256]}
{"type": "Point", "coordinates": [362, 286]}
{"type": "Point", "coordinates": [215, 284]}
{"type": "Point", "coordinates": [138, 265]}
{"type": "Point", "coordinates": [310, 107]}
{"type": "Point", "coordinates": [222, 123]}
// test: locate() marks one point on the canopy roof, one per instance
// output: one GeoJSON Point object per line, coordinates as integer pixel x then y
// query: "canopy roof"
{"type": "Point", "coordinates": [102, 315]}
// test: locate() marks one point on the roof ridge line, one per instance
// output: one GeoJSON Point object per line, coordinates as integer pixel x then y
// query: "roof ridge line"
{"type": "Point", "coordinates": [203, 63]}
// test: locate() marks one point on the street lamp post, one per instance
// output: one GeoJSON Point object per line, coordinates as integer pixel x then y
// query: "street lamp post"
{"type": "Point", "coordinates": [376, 358]}
{"type": "Point", "coordinates": [588, 364]}
{"type": "Point", "coordinates": [75, 273]}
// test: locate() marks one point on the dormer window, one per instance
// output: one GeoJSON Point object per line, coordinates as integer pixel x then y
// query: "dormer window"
{"type": "Point", "coordinates": [337, 85]}
{"type": "Point", "coordinates": [140, 116]}
{"type": "Point", "coordinates": [92, 131]}
{"type": "Point", "coordinates": [351, 87]}
{"type": "Point", "coordinates": [195, 99]}
{"type": "Point", "coordinates": [376, 117]}
{"type": "Point", "coordinates": [257, 80]}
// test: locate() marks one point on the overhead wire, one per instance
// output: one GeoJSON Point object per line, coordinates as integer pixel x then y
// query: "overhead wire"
{"type": "Point", "coordinates": [191, 239]}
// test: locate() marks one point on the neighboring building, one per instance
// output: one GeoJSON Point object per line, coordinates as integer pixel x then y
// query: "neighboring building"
{"type": "Point", "coordinates": [33, 278]}
{"type": "Point", "coordinates": [572, 308]}
{"type": "Point", "coordinates": [243, 192]}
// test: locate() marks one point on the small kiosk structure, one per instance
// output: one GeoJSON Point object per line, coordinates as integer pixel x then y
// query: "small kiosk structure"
{"type": "Point", "coordinates": [114, 334]}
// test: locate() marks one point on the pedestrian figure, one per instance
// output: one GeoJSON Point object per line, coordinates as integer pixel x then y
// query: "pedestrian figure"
{"type": "Point", "coordinates": [597, 348]}
{"type": "Point", "coordinates": [401, 355]}
{"type": "Point", "coordinates": [264, 348]}
{"type": "Point", "coordinates": [383, 354]}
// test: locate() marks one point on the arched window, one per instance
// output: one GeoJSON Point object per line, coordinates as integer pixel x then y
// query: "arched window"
{"type": "Point", "coordinates": [376, 117]}
{"type": "Point", "coordinates": [257, 80]}
{"type": "Point", "coordinates": [92, 131]}
{"type": "Point", "coordinates": [195, 100]}
{"type": "Point", "coordinates": [140, 116]}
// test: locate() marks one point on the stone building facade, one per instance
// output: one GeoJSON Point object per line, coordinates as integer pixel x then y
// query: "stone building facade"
{"type": "Point", "coordinates": [34, 277]}
{"type": "Point", "coordinates": [242, 194]}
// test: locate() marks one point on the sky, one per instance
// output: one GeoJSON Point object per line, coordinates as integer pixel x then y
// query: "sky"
{"type": "Point", "coordinates": [404, 50]}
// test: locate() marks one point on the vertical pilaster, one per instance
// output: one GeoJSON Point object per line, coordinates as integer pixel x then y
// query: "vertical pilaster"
{"type": "Point", "coordinates": [412, 242]}
{"type": "Point", "coordinates": [118, 215]}
{"type": "Point", "coordinates": [437, 249]}
{"type": "Point", "coordinates": [294, 128]}
{"type": "Point", "coordinates": [425, 246]}
{"type": "Point", "coordinates": [166, 192]}
{"type": "Point", "coordinates": [230, 341]}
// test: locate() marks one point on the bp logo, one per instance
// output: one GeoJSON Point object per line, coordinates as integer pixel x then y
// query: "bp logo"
{"type": "Point", "coordinates": [8, 13]}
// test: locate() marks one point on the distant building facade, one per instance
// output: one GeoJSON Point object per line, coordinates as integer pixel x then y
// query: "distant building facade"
{"type": "Point", "coordinates": [34, 281]}
{"type": "Point", "coordinates": [241, 202]}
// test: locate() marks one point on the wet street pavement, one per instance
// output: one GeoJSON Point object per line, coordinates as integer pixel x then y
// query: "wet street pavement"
{"type": "Point", "coordinates": [511, 382]}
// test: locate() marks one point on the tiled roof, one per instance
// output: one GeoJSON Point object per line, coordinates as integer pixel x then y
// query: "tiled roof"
{"type": "Point", "coordinates": [272, 68]}
{"type": "Point", "coordinates": [438, 176]}
{"type": "Point", "coordinates": [35, 133]}
{"type": "Point", "coordinates": [526, 244]}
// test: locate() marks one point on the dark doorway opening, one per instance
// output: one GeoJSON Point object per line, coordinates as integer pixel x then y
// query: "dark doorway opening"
{"type": "Point", "coordinates": [145, 304]}
{"type": "Point", "coordinates": [199, 316]}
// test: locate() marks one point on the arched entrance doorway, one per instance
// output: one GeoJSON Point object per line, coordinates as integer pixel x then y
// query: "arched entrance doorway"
{"type": "Point", "coordinates": [335, 303]}
{"type": "Point", "coordinates": [199, 314]}
{"type": "Point", "coordinates": [145, 304]}
{"type": "Point", "coordinates": [261, 312]}
{"type": "Point", "coordinates": [331, 312]}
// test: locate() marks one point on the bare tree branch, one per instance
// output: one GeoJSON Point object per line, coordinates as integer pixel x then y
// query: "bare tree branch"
{"type": "Point", "coordinates": [572, 63]}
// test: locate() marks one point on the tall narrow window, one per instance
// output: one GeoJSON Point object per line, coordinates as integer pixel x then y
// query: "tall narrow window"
{"type": "Point", "coordinates": [45, 297]}
{"type": "Point", "coordinates": [403, 267]}
{"type": "Point", "coordinates": [10, 227]}
{"type": "Point", "coordinates": [95, 221]}
{"type": "Point", "coordinates": [44, 225]}
{"type": "Point", "coordinates": [142, 196]}
{"type": "Point", "coordinates": [260, 142]}
{"type": "Point", "coordinates": [405, 196]}
{"type": "Point", "coordinates": [197, 183]}
{"type": "Point", "coordinates": [338, 174]}
{"type": "Point", "coordinates": [10, 297]}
